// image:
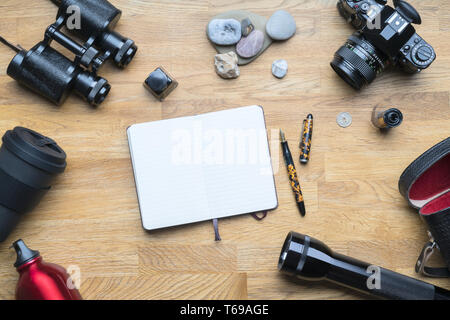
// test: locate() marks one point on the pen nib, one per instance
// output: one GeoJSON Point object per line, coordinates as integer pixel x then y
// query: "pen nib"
{"type": "Point", "coordinates": [282, 137]}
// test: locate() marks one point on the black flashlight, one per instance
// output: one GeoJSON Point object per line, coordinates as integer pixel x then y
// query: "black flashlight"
{"type": "Point", "coordinates": [310, 259]}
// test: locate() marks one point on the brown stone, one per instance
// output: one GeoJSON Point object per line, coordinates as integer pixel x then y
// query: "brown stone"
{"type": "Point", "coordinates": [226, 65]}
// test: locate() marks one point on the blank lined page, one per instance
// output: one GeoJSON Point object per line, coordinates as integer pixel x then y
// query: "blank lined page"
{"type": "Point", "coordinates": [202, 167]}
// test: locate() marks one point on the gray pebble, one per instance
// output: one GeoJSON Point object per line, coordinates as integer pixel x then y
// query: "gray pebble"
{"type": "Point", "coordinates": [251, 45]}
{"type": "Point", "coordinates": [281, 25]}
{"type": "Point", "coordinates": [247, 27]}
{"type": "Point", "coordinates": [279, 68]}
{"type": "Point", "coordinates": [224, 31]}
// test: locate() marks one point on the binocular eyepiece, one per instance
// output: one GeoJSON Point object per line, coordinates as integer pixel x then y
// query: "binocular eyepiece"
{"type": "Point", "coordinates": [49, 73]}
{"type": "Point", "coordinates": [310, 259]}
{"type": "Point", "coordinates": [98, 18]}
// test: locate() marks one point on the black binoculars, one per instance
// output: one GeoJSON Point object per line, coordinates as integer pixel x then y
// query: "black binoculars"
{"type": "Point", "coordinates": [49, 73]}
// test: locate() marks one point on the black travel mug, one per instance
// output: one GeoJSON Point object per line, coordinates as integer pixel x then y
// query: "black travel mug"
{"type": "Point", "coordinates": [29, 163]}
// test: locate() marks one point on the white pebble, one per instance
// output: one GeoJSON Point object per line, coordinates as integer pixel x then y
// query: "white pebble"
{"type": "Point", "coordinates": [279, 68]}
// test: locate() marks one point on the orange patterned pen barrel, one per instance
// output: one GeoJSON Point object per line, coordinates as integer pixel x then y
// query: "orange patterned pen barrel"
{"type": "Point", "coordinates": [293, 178]}
{"type": "Point", "coordinates": [295, 185]}
{"type": "Point", "coordinates": [306, 139]}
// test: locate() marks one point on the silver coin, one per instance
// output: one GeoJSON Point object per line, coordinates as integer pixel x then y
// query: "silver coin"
{"type": "Point", "coordinates": [344, 119]}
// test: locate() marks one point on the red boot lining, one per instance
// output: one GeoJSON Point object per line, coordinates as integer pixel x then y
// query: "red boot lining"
{"type": "Point", "coordinates": [436, 205]}
{"type": "Point", "coordinates": [434, 181]}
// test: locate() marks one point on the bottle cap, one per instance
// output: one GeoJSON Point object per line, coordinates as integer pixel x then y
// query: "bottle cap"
{"type": "Point", "coordinates": [24, 254]}
{"type": "Point", "coordinates": [393, 117]}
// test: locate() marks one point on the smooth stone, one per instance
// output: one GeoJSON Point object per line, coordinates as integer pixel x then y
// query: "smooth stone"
{"type": "Point", "coordinates": [247, 27]}
{"type": "Point", "coordinates": [227, 65]}
{"type": "Point", "coordinates": [249, 46]}
{"type": "Point", "coordinates": [281, 25]}
{"type": "Point", "coordinates": [279, 68]}
{"type": "Point", "coordinates": [224, 31]}
{"type": "Point", "coordinates": [158, 81]}
{"type": "Point", "coordinates": [259, 22]}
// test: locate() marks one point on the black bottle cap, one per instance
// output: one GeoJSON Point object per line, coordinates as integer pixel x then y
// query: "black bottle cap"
{"type": "Point", "coordinates": [24, 254]}
{"type": "Point", "coordinates": [36, 149]}
{"type": "Point", "coordinates": [393, 118]}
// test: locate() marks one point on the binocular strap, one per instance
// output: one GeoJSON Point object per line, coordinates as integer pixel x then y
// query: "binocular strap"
{"type": "Point", "coordinates": [439, 226]}
{"type": "Point", "coordinates": [434, 272]}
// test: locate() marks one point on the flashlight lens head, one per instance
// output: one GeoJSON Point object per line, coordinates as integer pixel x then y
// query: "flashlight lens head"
{"type": "Point", "coordinates": [291, 253]}
{"type": "Point", "coordinates": [305, 257]}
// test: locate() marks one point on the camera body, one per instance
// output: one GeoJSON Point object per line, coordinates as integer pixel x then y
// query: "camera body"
{"type": "Point", "coordinates": [386, 36]}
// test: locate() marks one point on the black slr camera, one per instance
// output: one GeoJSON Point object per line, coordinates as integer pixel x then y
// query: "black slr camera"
{"type": "Point", "coordinates": [385, 37]}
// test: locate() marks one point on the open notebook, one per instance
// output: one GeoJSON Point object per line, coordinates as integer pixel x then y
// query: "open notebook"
{"type": "Point", "coordinates": [202, 167]}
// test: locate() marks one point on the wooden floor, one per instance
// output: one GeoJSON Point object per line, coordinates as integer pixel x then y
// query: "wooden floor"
{"type": "Point", "coordinates": [91, 219]}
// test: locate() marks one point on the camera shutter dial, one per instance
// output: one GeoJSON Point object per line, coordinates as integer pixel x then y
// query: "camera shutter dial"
{"type": "Point", "coordinates": [423, 55]}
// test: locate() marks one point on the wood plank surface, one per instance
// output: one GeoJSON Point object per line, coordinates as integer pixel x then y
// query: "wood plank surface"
{"type": "Point", "coordinates": [91, 219]}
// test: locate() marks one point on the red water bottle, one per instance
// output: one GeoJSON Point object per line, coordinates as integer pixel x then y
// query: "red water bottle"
{"type": "Point", "coordinates": [40, 280]}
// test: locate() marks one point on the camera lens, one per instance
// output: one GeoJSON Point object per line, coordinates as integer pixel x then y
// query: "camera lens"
{"type": "Point", "coordinates": [29, 163]}
{"type": "Point", "coordinates": [358, 62]}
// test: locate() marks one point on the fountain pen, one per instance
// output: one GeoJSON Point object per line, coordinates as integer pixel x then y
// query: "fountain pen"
{"type": "Point", "coordinates": [293, 179]}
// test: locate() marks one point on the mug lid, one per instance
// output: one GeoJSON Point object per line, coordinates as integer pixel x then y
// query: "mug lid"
{"type": "Point", "coordinates": [36, 149]}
